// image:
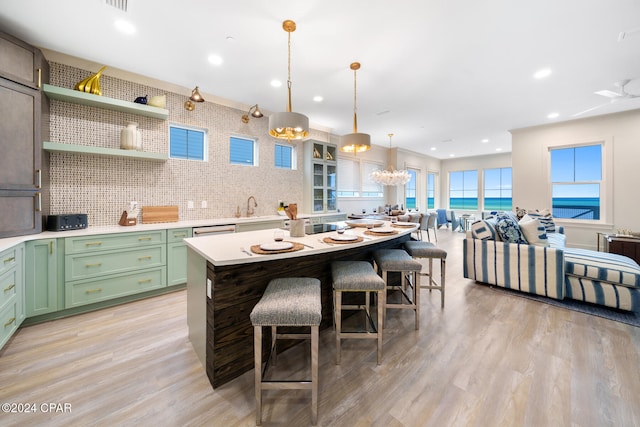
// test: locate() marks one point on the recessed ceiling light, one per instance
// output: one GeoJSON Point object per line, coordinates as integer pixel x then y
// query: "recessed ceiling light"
{"type": "Point", "coordinates": [215, 59]}
{"type": "Point", "coordinates": [433, 148]}
{"type": "Point", "coordinates": [125, 27]}
{"type": "Point", "coordinates": [541, 74]}
{"type": "Point", "coordinates": [553, 116]}
{"type": "Point", "coordinates": [318, 98]}
{"type": "Point", "coordinates": [276, 83]}
{"type": "Point", "coordinates": [484, 141]}
{"type": "Point", "coordinates": [452, 155]}
{"type": "Point", "coordinates": [498, 149]}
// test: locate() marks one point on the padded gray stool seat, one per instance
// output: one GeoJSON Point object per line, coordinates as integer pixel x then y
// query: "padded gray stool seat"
{"type": "Point", "coordinates": [293, 301]}
{"type": "Point", "coordinates": [431, 252]}
{"type": "Point", "coordinates": [357, 276]}
{"type": "Point", "coordinates": [398, 260]}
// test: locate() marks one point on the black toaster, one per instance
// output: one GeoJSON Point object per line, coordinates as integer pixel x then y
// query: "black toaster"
{"type": "Point", "coordinates": [65, 222]}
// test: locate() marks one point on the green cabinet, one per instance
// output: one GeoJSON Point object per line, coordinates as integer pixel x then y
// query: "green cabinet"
{"type": "Point", "coordinates": [259, 225]}
{"type": "Point", "coordinates": [103, 267]}
{"type": "Point", "coordinates": [12, 310]}
{"type": "Point", "coordinates": [177, 256]}
{"type": "Point", "coordinates": [41, 277]}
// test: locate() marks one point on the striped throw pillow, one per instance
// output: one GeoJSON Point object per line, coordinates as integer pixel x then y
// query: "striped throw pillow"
{"type": "Point", "coordinates": [546, 220]}
{"type": "Point", "coordinates": [483, 230]}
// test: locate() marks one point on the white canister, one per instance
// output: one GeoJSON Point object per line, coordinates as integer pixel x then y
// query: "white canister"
{"type": "Point", "coordinates": [296, 228]}
{"type": "Point", "coordinates": [131, 137]}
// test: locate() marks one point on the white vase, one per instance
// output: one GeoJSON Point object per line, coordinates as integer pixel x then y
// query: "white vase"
{"type": "Point", "coordinates": [131, 137]}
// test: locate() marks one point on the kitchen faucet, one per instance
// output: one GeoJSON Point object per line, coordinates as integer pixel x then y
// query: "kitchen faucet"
{"type": "Point", "coordinates": [249, 208]}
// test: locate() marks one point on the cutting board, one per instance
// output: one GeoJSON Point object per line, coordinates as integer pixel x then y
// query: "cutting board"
{"type": "Point", "coordinates": [154, 214]}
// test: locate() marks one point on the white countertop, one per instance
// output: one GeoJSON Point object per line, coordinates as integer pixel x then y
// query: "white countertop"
{"type": "Point", "coordinates": [226, 249]}
{"type": "Point", "coordinates": [8, 242]}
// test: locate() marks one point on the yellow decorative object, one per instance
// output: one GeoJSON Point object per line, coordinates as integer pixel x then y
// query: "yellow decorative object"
{"type": "Point", "coordinates": [159, 101]}
{"type": "Point", "coordinates": [91, 84]}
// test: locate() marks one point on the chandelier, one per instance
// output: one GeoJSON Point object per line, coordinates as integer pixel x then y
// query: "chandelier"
{"type": "Point", "coordinates": [287, 124]}
{"type": "Point", "coordinates": [390, 176]}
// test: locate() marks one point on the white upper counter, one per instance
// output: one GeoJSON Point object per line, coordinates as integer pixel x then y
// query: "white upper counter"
{"type": "Point", "coordinates": [226, 249]}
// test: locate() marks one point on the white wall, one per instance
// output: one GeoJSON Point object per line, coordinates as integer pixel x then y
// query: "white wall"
{"type": "Point", "coordinates": [479, 163]}
{"type": "Point", "coordinates": [621, 132]}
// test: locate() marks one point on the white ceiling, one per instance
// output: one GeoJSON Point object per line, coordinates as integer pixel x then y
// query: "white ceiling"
{"type": "Point", "coordinates": [432, 70]}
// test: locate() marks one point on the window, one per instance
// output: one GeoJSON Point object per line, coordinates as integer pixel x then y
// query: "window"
{"type": "Point", "coordinates": [187, 143]}
{"type": "Point", "coordinates": [463, 190]}
{"type": "Point", "coordinates": [431, 190]}
{"type": "Point", "coordinates": [497, 189]}
{"type": "Point", "coordinates": [410, 190]}
{"type": "Point", "coordinates": [576, 181]}
{"type": "Point", "coordinates": [242, 151]}
{"type": "Point", "coordinates": [354, 179]}
{"type": "Point", "coordinates": [370, 188]}
{"type": "Point", "coordinates": [285, 157]}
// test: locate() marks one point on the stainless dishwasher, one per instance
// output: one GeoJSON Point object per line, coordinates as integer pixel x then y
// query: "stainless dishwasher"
{"type": "Point", "coordinates": [213, 230]}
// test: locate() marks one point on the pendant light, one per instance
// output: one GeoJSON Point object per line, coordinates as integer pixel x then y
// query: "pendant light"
{"type": "Point", "coordinates": [355, 142]}
{"type": "Point", "coordinates": [289, 125]}
{"type": "Point", "coordinates": [390, 176]}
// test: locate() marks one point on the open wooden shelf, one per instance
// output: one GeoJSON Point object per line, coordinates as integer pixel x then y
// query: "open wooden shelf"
{"type": "Point", "coordinates": [82, 98]}
{"type": "Point", "coordinates": [104, 152]}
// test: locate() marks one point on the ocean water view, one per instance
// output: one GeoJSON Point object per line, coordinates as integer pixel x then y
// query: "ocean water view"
{"type": "Point", "coordinates": [562, 207]}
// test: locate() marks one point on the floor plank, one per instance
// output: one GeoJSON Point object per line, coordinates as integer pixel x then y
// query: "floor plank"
{"type": "Point", "coordinates": [486, 359]}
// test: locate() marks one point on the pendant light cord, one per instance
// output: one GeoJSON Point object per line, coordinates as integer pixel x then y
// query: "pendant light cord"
{"type": "Point", "coordinates": [289, 71]}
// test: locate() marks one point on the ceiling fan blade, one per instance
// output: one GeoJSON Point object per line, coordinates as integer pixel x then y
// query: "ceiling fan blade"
{"type": "Point", "coordinates": [590, 109]}
{"type": "Point", "coordinates": [608, 93]}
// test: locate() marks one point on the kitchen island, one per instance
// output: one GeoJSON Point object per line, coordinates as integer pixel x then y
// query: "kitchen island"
{"type": "Point", "coordinates": [224, 283]}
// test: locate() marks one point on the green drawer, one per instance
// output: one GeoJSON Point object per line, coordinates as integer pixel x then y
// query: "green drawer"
{"type": "Point", "coordinates": [8, 283]}
{"type": "Point", "coordinates": [8, 260]}
{"type": "Point", "coordinates": [95, 290]}
{"type": "Point", "coordinates": [176, 235]}
{"type": "Point", "coordinates": [8, 322]}
{"type": "Point", "coordinates": [74, 245]}
{"type": "Point", "coordinates": [92, 264]}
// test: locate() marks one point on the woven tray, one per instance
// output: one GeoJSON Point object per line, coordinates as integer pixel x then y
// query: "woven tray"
{"type": "Point", "coordinates": [369, 233]}
{"type": "Point", "coordinates": [403, 225]}
{"type": "Point", "coordinates": [330, 240]}
{"type": "Point", "coordinates": [296, 247]}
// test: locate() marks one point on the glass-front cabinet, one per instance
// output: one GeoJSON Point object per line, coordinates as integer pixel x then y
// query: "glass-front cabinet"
{"type": "Point", "coordinates": [321, 177]}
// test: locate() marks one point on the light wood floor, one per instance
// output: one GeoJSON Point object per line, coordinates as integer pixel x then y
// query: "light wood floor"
{"type": "Point", "coordinates": [487, 359]}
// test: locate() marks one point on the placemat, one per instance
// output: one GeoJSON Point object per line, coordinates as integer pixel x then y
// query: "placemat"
{"type": "Point", "coordinates": [257, 250]}
{"type": "Point", "coordinates": [369, 233]}
{"type": "Point", "coordinates": [330, 240]}
{"type": "Point", "coordinates": [403, 225]}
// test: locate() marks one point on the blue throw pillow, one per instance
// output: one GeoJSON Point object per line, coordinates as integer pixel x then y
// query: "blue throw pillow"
{"type": "Point", "coordinates": [508, 230]}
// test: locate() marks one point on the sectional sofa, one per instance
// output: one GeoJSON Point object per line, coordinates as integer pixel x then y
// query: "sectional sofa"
{"type": "Point", "coordinates": [543, 265]}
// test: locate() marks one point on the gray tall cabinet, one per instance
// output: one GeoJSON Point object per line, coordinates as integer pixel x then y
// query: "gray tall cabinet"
{"type": "Point", "coordinates": [23, 126]}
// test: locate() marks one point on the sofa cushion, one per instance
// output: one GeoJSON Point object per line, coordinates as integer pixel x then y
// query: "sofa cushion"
{"type": "Point", "coordinates": [484, 230]}
{"type": "Point", "coordinates": [508, 230]}
{"type": "Point", "coordinates": [545, 219]}
{"type": "Point", "coordinates": [556, 240]}
{"type": "Point", "coordinates": [534, 232]}
{"type": "Point", "coordinates": [602, 267]}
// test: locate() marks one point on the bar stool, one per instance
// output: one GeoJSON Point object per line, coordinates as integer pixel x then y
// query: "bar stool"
{"type": "Point", "coordinates": [397, 260]}
{"type": "Point", "coordinates": [357, 276]}
{"type": "Point", "coordinates": [430, 251]}
{"type": "Point", "coordinates": [293, 301]}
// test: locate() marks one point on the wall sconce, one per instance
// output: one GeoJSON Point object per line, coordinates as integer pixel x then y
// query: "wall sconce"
{"type": "Point", "coordinates": [195, 97]}
{"type": "Point", "coordinates": [253, 112]}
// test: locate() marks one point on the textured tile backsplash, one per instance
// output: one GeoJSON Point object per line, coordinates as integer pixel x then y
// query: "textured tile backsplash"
{"type": "Point", "coordinates": [102, 187]}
